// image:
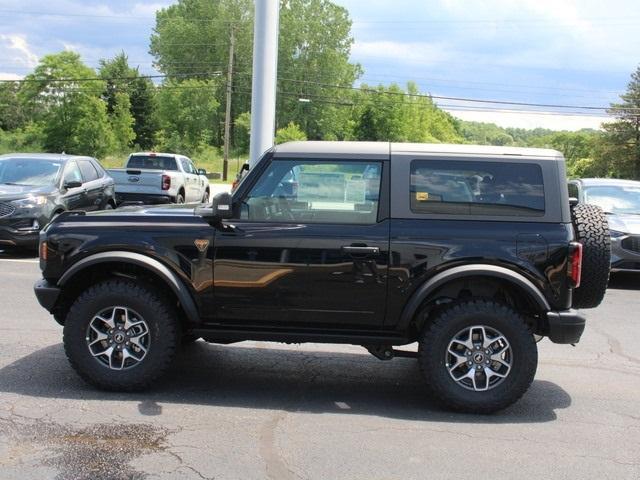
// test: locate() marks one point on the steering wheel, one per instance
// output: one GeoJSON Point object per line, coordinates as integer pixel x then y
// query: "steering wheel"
{"type": "Point", "coordinates": [285, 208]}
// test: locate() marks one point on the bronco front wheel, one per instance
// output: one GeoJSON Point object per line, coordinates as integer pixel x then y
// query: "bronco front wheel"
{"type": "Point", "coordinates": [120, 335]}
{"type": "Point", "coordinates": [478, 356]}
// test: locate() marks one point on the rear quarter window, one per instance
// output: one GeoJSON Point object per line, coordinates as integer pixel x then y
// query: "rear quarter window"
{"type": "Point", "coordinates": [476, 188]}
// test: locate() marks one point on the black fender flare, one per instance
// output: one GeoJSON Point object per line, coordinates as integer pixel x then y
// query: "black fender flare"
{"type": "Point", "coordinates": [169, 277]}
{"type": "Point", "coordinates": [435, 282]}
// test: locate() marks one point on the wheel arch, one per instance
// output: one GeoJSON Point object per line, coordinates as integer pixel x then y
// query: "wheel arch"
{"type": "Point", "coordinates": [494, 274]}
{"type": "Point", "coordinates": [118, 261]}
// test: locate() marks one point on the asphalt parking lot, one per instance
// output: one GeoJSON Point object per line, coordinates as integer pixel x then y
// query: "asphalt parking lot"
{"type": "Point", "coordinates": [257, 410]}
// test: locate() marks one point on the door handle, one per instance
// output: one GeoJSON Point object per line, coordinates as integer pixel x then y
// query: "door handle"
{"type": "Point", "coordinates": [361, 250]}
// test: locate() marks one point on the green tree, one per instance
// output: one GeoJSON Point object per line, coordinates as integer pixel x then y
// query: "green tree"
{"type": "Point", "coordinates": [392, 114]}
{"type": "Point", "coordinates": [11, 113]}
{"type": "Point", "coordinates": [63, 96]}
{"type": "Point", "coordinates": [290, 133]}
{"type": "Point", "coordinates": [573, 145]}
{"type": "Point", "coordinates": [122, 122]}
{"type": "Point", "coordinates": [621, 142]}
{"type": "Point", "coordinates": [121, 78]}
{"type": "Point", "coordinates": [188, 113]}
{"type": "Point", "coordinates": [190, 39]}
{"type": "Point", "coordinates": [242, 129]}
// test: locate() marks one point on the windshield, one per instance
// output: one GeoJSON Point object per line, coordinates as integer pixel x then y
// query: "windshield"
{"type": "Point", "coordinates": [29, 171]}
{"type": "Point", "coordinates": [152, 162]}
{"type": "Point", "coordinates": [614, 199]}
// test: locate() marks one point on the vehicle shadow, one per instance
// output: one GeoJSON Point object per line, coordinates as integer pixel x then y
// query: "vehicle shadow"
{"type": "Point", "coordinates": [276, 378]}
{"type": "Point", "coordinates": [625, 281]}
{"type": "Point", "coordinates": [18, 253]}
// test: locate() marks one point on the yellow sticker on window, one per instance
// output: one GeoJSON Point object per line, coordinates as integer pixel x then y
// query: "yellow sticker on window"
{"type": "Point", "coordinates": [422, 196]}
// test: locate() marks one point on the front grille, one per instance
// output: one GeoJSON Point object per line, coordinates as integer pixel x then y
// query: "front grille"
{"type": "Point", "coordinates": [6, 210]}
{"type": "Point", "coordinates": [632, 244]}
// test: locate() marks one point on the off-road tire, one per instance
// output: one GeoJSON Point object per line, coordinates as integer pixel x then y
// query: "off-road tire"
{"type": "Point", "coordinates": [205, 197]}
{"type": "Point", "coordinates": [158, 314]}
{"type": "Point", "coordinates": [433, 345]}
{"type": "Point", "coordinates": [179, 199]}
{"type": "Point", "coordinates": [592, 231]}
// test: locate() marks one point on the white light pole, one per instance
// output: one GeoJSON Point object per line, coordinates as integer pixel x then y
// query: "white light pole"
{"type": "Point", "coordinates": [265, 70]}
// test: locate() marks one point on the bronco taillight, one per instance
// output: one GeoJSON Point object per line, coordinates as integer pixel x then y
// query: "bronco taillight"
{"type": "Point", "coordinates": [166, 182]}
{"type": "Point", "coordinates": [574, 270]}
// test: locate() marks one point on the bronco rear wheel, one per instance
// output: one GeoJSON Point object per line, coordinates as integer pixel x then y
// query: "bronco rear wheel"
{"type": "Point", "coordinates": [120, 335]}
{"type": "Point", "coordinates": [592, 231]}
{"type": "Point", "coordinates": [478, 356]}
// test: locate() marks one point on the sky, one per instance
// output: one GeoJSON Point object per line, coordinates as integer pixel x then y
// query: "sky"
{"type": "Point", "coordinates": [548, 52]}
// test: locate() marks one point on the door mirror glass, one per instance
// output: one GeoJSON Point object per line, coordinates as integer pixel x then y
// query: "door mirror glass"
{"type": "Point", "coordinates": [72, 184]}
{"type": "Point", "coordinates": [202, 171]}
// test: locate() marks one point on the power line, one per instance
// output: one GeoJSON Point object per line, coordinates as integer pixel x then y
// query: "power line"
{"type": "Point", "coordinates": [345, 87]}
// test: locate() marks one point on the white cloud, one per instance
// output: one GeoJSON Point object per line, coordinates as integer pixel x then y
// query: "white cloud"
{"type": "Point", "coordinates": [10, 76]}
{"type": "Point", "coordinates": [412, 53]}
{"type": "Point", "coordinates": [15, 49]}
{"type": "Point", "coordinates": [532, 120]}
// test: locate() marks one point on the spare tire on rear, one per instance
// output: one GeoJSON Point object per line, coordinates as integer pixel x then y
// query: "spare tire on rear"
{"type": "Point", "coordinates": [592, 231]}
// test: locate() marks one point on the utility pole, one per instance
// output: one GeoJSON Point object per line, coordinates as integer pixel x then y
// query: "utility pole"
{"type": "Point", "coordinates": [265, 70]}
{"type": "Point", "coordinates": [227, 116]}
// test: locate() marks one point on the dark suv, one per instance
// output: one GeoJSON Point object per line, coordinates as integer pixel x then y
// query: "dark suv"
{"type": "Point", "coordinates": [469, 251]}
{"type": "Point", "coordinates": [35, 187]}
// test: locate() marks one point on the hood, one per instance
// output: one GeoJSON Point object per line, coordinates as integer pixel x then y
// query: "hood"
{"type": "Point", "coordinates": [629, 224]}
{"type": "Point", "coordinates": [146, 210]}
{"type": "Point", "coordinates": [16, 192]}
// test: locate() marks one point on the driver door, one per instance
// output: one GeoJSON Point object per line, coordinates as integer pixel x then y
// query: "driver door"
{"type": "Point", "coordinates": [310, 248]}
{"type": "Point", "coordinates": [74, 198]}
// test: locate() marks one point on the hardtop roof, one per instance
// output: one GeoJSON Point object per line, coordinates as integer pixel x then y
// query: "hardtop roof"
{"type": "Point", "coordinates": [324, 148]}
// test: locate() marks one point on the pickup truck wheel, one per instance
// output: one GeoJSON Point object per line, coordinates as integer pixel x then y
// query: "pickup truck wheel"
{"type": "Point", "coordinates": [205, 197]}
{"type": "Point", "coordinates": [179, 198]}
{"type": "Point", "coordinates": [478, 356]}
{"type": "Point", "coordinates": [592, 231]}
{"type": "Point", "coordinates": [120, 335]}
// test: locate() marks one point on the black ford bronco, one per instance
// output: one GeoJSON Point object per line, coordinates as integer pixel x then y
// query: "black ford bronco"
{"type": "Point", "coordinates": [473, 252]}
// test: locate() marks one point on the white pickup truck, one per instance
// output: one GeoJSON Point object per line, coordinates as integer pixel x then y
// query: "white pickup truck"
{"type": "Point", "coordinates": [150, 177]}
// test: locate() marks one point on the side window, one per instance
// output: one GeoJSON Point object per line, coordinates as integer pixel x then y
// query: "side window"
{"type": "Point", "coordinates": [193, 168]}
{"type": "Point", "coordinates": [89, 172]}
{"type": "Point", "coordinates": [315, 192]}
{"type": "Point", "coordinates": [185, 165]}
{"type": "Point", "coordinates": [98, 168]}
{"type": "Point", "coordinates": [72, 173]}
{"type": "Point", "coordinates": [476, 188]}
{"type": "Point", "coordinates": [573, 191]}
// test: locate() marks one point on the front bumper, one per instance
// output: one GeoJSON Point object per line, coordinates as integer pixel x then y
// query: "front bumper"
{"type": "Point", "coordinates": [144, 198]}
{"type": "Point", "coordinates": [565, 326]}
{"type": "Point", "coordinates": [19, 238]}
{"type": "Point", "coordinates": [46, 293]}
{"type": "Point", "coordinates": [625, 259]}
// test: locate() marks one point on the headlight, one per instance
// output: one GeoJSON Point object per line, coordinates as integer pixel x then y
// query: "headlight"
{"type": "Point", "coordinates": [30, 202]}
{"type": "Point", "coordinates": [617, 234]}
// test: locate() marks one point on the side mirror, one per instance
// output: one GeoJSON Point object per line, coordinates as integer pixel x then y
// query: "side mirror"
{"type": "Point", "coordinates": [202, 171]}
{"type": "Point", "coordinates": [72, 184]}
{"type": "Point", "coordinates": [221, 208]}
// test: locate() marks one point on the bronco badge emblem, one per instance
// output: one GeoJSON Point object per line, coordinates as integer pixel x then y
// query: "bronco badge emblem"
{"type": "Point", "coordinates": [201, 244]}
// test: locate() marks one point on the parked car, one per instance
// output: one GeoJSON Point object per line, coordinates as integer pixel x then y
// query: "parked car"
{"type": "Point", "coordinates": [620, 199]}
{"type": "Point", "coordinates": [152, 178]}
{"type": "Point", "coordinates": [34, 188]}
{"type": "Point", "coordinates": [469, 251]}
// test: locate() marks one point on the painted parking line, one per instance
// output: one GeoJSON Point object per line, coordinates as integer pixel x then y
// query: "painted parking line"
{"type": "Point", "coordinates": [20, 260]}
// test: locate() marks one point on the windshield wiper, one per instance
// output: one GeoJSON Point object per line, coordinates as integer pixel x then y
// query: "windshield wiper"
{"type": "Point", "coordinates": [15, 184]}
